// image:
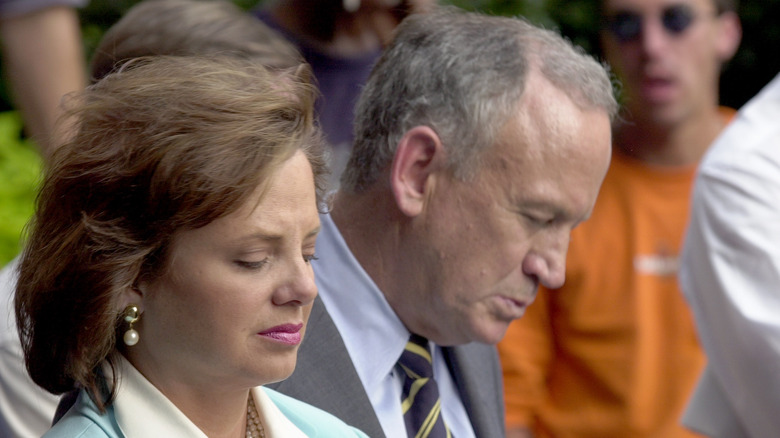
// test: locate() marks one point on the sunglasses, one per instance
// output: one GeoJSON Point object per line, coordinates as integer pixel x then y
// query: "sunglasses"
{"type": "Point", "coordinates": [627, 26]}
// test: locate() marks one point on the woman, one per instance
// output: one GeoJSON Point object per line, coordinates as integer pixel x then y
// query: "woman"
{"type": "Point", "coordinates": [167, 270]}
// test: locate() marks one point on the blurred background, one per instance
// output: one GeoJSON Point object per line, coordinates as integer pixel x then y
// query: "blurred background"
{"type": "Point", "coordinates": [754, 65]}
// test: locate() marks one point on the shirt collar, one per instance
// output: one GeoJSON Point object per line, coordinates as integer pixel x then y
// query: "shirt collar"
{"type": "Point", "coordinates": [142, 411]}
{"type": "Point", "coordinates": [274, 421]}
{"type": "Point", "coordinates": [374, 335]}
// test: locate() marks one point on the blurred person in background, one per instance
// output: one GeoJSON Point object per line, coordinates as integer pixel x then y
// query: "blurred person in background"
{"type": "Point", "coordinates": [614, 352]}
{"type": "Point", "coordinates": [191, 27]}
{"type": "Point", "coordinates": [341, 40]}
{"type": "Point", "coordinates": [43, 59]}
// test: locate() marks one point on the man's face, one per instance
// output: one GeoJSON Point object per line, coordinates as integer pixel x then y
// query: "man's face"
{"type": "Point", "coordinates": [668, 55]}
{"type": "Point", "coordinates": [484, 245]}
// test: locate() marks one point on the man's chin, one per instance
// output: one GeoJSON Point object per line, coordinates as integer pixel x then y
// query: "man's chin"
{"type": "Point", "coordinates": [492, 333]}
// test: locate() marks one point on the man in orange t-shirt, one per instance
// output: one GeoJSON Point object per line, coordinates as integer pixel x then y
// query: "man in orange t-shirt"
{"type": "Point", "coordinates": [614, 353]}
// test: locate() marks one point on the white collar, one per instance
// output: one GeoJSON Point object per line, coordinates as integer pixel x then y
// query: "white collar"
{"type": "Point", "coordinates": [276, 424]}
{"type": "Point", "coordinates": [142, 411]}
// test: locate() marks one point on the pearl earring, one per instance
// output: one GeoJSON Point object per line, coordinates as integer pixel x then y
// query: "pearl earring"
{"type": "Point", "coordinates": [131, 316]}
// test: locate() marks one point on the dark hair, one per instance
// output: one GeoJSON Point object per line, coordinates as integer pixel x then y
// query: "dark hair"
{"type": "Point", "coordinates": [163, 144]}
{"type": "Point", "coordinates": [191, 27]}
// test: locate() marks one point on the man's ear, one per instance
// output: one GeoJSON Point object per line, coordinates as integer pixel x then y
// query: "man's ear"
{"type": "Point", "coordinates": [419, 155]}
{"type": "Point", "coordinates": [730, 36]}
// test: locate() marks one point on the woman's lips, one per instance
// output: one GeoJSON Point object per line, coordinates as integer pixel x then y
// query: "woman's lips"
{"type": "Point", "coordinates": [288, 334]}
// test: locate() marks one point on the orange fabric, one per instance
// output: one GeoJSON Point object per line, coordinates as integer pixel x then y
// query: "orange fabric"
{"type": "Point", "coordinates": [614, 352]}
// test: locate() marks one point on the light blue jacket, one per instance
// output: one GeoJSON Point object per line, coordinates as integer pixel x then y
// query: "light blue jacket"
{"type": "Point", "coordinates": [140, 410]}
{"type": "Point", "coordinates": [83, 420]}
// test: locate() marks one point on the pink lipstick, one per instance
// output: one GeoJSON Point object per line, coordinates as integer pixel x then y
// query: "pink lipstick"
{"type": "Point", "coordinates": [289, 334]}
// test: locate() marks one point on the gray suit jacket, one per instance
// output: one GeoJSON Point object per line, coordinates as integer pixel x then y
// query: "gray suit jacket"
{"type": "Point", "coordinates": [326, 378]}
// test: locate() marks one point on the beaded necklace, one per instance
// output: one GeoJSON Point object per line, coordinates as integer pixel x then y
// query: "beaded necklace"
{"type": "Point", "coordinates": [254, 428]}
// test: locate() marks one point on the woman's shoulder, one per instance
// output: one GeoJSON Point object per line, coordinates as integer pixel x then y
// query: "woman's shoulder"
{"type": "Point", "coordinates": [79, 427]}
{"type": "Point", "coordinates": [312, 420]}
{"type": "Point", "coordinates": [83, 420]}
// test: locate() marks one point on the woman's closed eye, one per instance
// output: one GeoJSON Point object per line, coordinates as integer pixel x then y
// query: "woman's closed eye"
{"type": "Point", "coordinates": [250, 264]}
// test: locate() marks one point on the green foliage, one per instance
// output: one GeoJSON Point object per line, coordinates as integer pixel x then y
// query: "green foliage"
{"type": "Point", "coordinates": [20, 167]}
{"type": "Point", "coordinates": [578, 20]}
{"type": "Point", "coordinates": [534, 10]}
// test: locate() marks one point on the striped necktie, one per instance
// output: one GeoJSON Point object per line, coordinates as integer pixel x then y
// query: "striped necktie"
{"type": "Point", "coordinates": [420, 401]}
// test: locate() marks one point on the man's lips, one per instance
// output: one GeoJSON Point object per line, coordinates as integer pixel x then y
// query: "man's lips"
{"type": "Point", "coordinates": [510, 308]}
{"type": "Point", "coordinates": [657, 89]}
{"type": "Point", "coordinates": [289, 334]}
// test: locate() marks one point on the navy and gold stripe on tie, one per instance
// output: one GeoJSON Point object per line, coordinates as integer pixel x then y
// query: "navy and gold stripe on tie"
{"type": "Point", "coordinates": [420, 401]}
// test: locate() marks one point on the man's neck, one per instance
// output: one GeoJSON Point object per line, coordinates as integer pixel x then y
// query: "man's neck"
{"type": "Point", "coordinates": [683, 144]}
{"type": "Point", "coordinates": [376, 233]}
{"type": "Point", "coordinates": [363, 218]}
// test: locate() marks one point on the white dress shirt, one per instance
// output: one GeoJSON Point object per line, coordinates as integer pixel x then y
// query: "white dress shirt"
{"type": "Point", "coordinates": [375, 337]}
{"type": "Point", "coordinates": [26, 409]}
{"type": "Point", "coordinates": [731, 274]}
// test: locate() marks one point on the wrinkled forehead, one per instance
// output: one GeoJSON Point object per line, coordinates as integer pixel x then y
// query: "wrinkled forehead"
{"type": "Point", "coordinates": [654, 6]}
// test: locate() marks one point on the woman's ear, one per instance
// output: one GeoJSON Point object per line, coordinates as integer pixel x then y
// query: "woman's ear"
{"type": "Point", "coordinates": [132, 295]}
{"type": "Point", "coordinates": [420, 154]}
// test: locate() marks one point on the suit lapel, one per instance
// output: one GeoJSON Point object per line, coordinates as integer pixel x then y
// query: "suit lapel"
{"type": "Point", "coordinates": [477, 374]}
{"type": "Point", "coordinates": [325, 376]}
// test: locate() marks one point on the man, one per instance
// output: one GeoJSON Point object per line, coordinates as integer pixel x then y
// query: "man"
{"type": "Point", "coordinates": [480, 143]}
{"type": "Point", "coordinates": [730, 272]}
{"type": "Point", "coordinates": [614, 352]}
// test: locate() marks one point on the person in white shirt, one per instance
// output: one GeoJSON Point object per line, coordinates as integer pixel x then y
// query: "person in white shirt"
{"type": "Point", "coordinates": [43, 60]}
{"type": "Point", "coordinates": [730, 275]}
{"type": "Point", "coordinates": [26, 410]}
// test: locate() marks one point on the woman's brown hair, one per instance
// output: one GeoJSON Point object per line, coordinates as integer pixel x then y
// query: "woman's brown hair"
{"type": "Point", "coordinates": [163, 144]}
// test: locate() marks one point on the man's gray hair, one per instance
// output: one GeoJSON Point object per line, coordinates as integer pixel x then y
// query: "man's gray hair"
{"type": "Point", "coordinates": [462, 74]}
